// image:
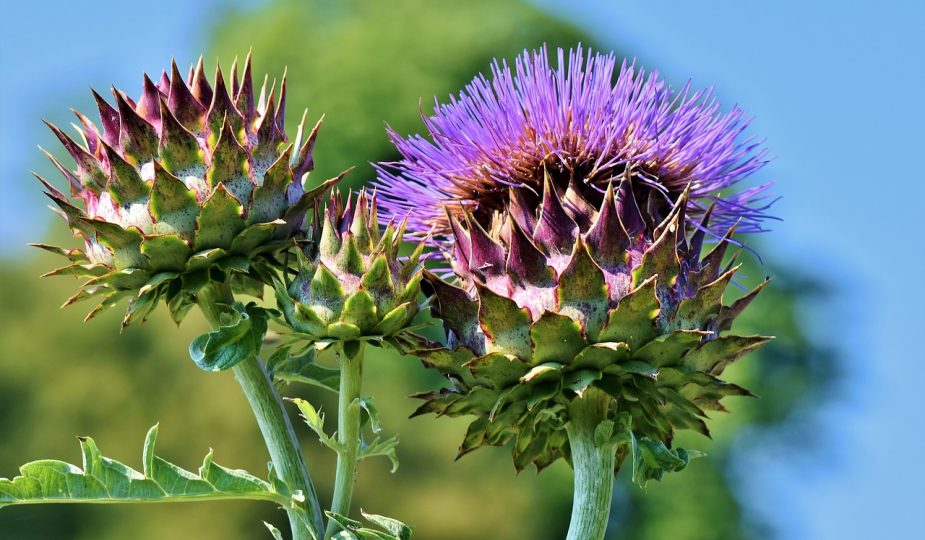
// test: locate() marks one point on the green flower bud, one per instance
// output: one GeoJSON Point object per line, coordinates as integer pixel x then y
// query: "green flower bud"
{"type": "Point", "coordinates": [350, 283]}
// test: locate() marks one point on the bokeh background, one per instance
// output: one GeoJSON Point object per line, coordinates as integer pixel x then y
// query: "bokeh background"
{"type": "Point", "coordinates": [831, 450]}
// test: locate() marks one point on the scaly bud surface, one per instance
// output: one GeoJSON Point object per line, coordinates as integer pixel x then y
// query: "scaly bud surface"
{"type": "Point", "coordinates": [552, 303]}
{"type": "Point", "coordinates": [191, 183]}
{"type": "Point", "coordinates": [350, 283]}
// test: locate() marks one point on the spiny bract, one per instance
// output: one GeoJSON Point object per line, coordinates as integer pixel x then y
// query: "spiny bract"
{"type": "Point", "coordinates": [350, 283]}
{"type": "Point", "coordinates": [187, 185]}
{"type": "Point", "coordinates": [558, 301]}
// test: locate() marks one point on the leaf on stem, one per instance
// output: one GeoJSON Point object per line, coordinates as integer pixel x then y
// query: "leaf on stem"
{"type": "Point", "coordinates": [315, 421]}
{"type": "Point", "coordinates": [302, 368]}
{"type": "Point", "coordinates": [354, 530]}
{"type": "Point", "coordinates": [381, 447]}
{"type": "Point", "coordinates": [238, 338]}
{"type": "Point", "coordinates": [102, 479]}
{"type": "Point", "coordinates": [371, 413]}
{"type": "Point", "coordinates": [652, 459]}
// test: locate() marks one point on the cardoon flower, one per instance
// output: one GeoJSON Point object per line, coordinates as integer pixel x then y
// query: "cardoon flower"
{"type": "Point", "coordinates": [586, 323]}
{"type": "Point", "coordinates": [574, 123]}
{"type": "Point", "coordinates": [188, 185]}
{"type": "Point", "coordinates": [592, 346]}
{"type": "Point", "coordinates": [548, 312]}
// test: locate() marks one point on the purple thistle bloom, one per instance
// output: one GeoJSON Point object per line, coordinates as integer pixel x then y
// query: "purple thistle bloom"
{"type": "Point", "coordinates": [573, 123]}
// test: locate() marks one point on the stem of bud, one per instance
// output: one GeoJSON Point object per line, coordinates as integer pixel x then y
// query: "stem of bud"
{"type": "Point", "coordinates": [348, 433]}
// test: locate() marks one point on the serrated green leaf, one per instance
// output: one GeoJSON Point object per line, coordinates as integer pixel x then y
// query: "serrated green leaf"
{"type": "Point", "coordinates": [542, 392]}
{"type": "Point", "coordinates": [391, 525]}
{"type": "Point", "coordinates": [450, 363]}
{"type": "Point", "coordinates": [343, 521]}
{"type": "Point", "coordinates": [548, 371]}
{"type": "Point", "coordinates": [105, 480]}
{"type": "Point", "coordinates": [141, 306]}
{"type": "Point", "coordinates": [501, 370]}
{"type": "Point", "coordinates": [125, 244]}
{"type": "Point", "coordinates": [579, 381]}
{"type": "Point", "coordinates": [315, 421]}
{"type": "Point", "coordinates": [123, 280]}
{"type": "Point", "coordinates": [354, 530]}
{"type": "Point", "coordinates": [381, 447]}
{"type": "Point", "coordinates": [204, 259]}
{"type": "Point", "coordinates": [601, 355]}
{"type": "Point", "coordinates": [156, 281]}
{"type": "Point", "coordinates": [704, 305]}
{"type": "Point", "coordinates": [254, 236]}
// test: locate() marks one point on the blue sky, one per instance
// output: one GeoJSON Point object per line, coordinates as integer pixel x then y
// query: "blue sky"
{"type": "Point", "coordinates": [837, 90]}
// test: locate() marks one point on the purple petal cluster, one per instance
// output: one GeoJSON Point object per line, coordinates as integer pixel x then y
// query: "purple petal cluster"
{"type": "Point", "coordinates": [584, 128]}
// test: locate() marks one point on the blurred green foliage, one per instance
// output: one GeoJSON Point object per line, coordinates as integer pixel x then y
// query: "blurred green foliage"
{"type": "Point", "coordinates": [362, 64]}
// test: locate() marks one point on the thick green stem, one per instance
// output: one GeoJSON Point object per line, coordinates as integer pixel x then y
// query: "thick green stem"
{"type": "Point", "coordinates": [274, 424]}
{"type": "Point", "coordinates": [594, 467]}
{"type": "Point", "coordinates": [348, 433]}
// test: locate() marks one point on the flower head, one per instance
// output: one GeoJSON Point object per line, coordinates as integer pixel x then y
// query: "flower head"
{"type": "Point", "coordinates": [545, 312]}
{"type": "Point", "coordinates": [188, 184]}
{"type": "Point", "coordinates": [576, 124]}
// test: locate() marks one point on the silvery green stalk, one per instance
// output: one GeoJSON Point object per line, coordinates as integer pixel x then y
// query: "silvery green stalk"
{"type": "Point", "coordinates": [351, 289]}
{"type": "Point", "coordinates": [216, 301]}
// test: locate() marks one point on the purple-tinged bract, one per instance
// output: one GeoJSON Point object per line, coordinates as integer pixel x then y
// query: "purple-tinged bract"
{"type": "Point", "coordinates": [188, 184]}
{"type": "Point", "coordinates": [583, 127]}
{"type": "Point", "coordinates": [547, 310]}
